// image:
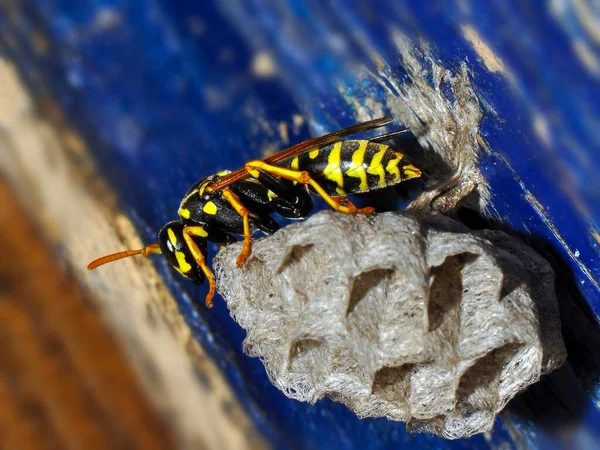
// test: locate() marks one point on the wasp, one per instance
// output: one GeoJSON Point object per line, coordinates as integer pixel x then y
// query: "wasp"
{"type": "Point", "coordinates": [241, 202]}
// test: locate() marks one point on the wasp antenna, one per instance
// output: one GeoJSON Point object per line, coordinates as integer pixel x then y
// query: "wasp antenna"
{"type": "Point", "coordinates": [154, 248]}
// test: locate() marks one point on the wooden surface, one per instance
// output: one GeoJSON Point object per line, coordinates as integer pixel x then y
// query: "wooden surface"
{"type": "Point", "coordinates": [64, 381]}
{"type": "Point", "coordinates": [46, 163]}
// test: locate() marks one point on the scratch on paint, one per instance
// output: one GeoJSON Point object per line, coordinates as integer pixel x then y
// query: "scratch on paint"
{"type": "Point", "coordinates": [493, 62]}
{"type": "Point", "coordinates": [539, 208]}
{"type": "Point", "coordinates": [483, 144]}
{"type": "Point", "coordinates": [542, 129]}
{"type": "Point", "coordinates": [263, 65]}
{"type": "Point", "coordinates": [283, 132]}
{"type": "Point", "coordinates": [298, 121]}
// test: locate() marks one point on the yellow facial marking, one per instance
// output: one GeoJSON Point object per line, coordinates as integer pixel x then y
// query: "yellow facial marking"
{"type": "Point", "coordinates": [191, 194]}
{"type": "Point", "coordinates": [333, 171]}
{"type": "Point", "coordinates": [210, 208]}
{"type": "Point", "coordinates": [340, 191]}
{"type": "Point", "coordinates": [272, 195]}
{"type": "Point", "coordinates": [184, 266]}
{"type": "Point", "coordinates": [357, 169]}
{"type": "Point", "coordinates": [294, 164]}
{"type": "Point", "coordinates": [202, 188]}
{"type": "Point", "coordinates": [392, 167]}
{"type": "Point", "coordinates": [172, 237]}
{"type": "Point", "coordinates": [313, 153]}
{"type": "Point", "coordinates": [375, 168]}
{"type": "Point", "coordinates": [184, 212]}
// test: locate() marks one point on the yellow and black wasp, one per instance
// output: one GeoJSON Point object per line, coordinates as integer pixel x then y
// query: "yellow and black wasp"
{"type": "Point", "coordinates": [242, 201]}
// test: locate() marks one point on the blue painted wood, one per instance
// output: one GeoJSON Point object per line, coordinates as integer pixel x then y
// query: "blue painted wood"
{"type": "Point", "coordinates": [165, 93]}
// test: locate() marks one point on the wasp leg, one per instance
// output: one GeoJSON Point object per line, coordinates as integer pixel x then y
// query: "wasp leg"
{"type": "Point", "coordinates": [293, 201]}
{"type": "Point", "coordinates": [343, 200]}
{"type": "Point", "coordinates": [266, 224]}
{"type": "Point", "coordinates": [235, 202]}
{"type": "Point", "coordinates": [188, 234]}
{"type": "Point", "coordinates": [306, 179]}
{"type": "Point", "coordinates": [255, 197]}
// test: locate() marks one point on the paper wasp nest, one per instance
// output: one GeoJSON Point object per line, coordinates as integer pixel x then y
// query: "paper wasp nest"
{"type": "Point", "coordinates": [417, 320]}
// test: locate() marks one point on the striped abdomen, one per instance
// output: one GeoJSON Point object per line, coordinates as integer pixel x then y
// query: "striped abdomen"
{"type": "Point", "coordinates": [350, 167]}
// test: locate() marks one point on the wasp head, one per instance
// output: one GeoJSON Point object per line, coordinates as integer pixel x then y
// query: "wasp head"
{"type": "Point", "coordinates": [171, 244]}
{"type": "Point", "coordinates": [176, 251]}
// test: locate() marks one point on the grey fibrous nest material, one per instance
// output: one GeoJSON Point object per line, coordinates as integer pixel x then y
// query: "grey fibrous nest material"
{"type": "Point", "coordinates": [443, 111]}
{"type": "Point", "coordinates": [417, 320]}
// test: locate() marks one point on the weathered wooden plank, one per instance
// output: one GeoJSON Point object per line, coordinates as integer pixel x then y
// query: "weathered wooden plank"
{"type": "Point", "coordinates": [56, 387]}
{"type": "Point", "coordinates": [48, 165]}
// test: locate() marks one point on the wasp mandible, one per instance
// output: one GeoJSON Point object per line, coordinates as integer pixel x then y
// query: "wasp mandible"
{"type": "Point", "coordinates": [242, 201]}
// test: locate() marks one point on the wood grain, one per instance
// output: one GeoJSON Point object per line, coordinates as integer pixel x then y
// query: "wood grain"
{"type": "Point", "coordinates": [64, 382]}
{"type": "Point", "coordinates": [47, 163]}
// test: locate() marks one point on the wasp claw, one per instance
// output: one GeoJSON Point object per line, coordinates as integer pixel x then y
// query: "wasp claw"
{"type": "Point", "coordinates": [241, 260]}
{"type": "Point", "coordinates": [368, 210]}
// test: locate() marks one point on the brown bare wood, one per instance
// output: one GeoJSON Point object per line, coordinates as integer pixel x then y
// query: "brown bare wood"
{"type": "Point", "coordinates": [48, 165]}
{"type": "Point", "coordinates": [64, 381]}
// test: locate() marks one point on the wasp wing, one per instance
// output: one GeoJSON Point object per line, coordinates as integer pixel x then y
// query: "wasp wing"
{"type": "Point", "coordinates": [303, 147]}
{"type": "Point", "coordinates": [327, 139]}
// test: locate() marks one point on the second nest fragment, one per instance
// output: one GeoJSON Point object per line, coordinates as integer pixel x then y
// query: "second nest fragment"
{"type": "Point", "coordinates": [414, 319]}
